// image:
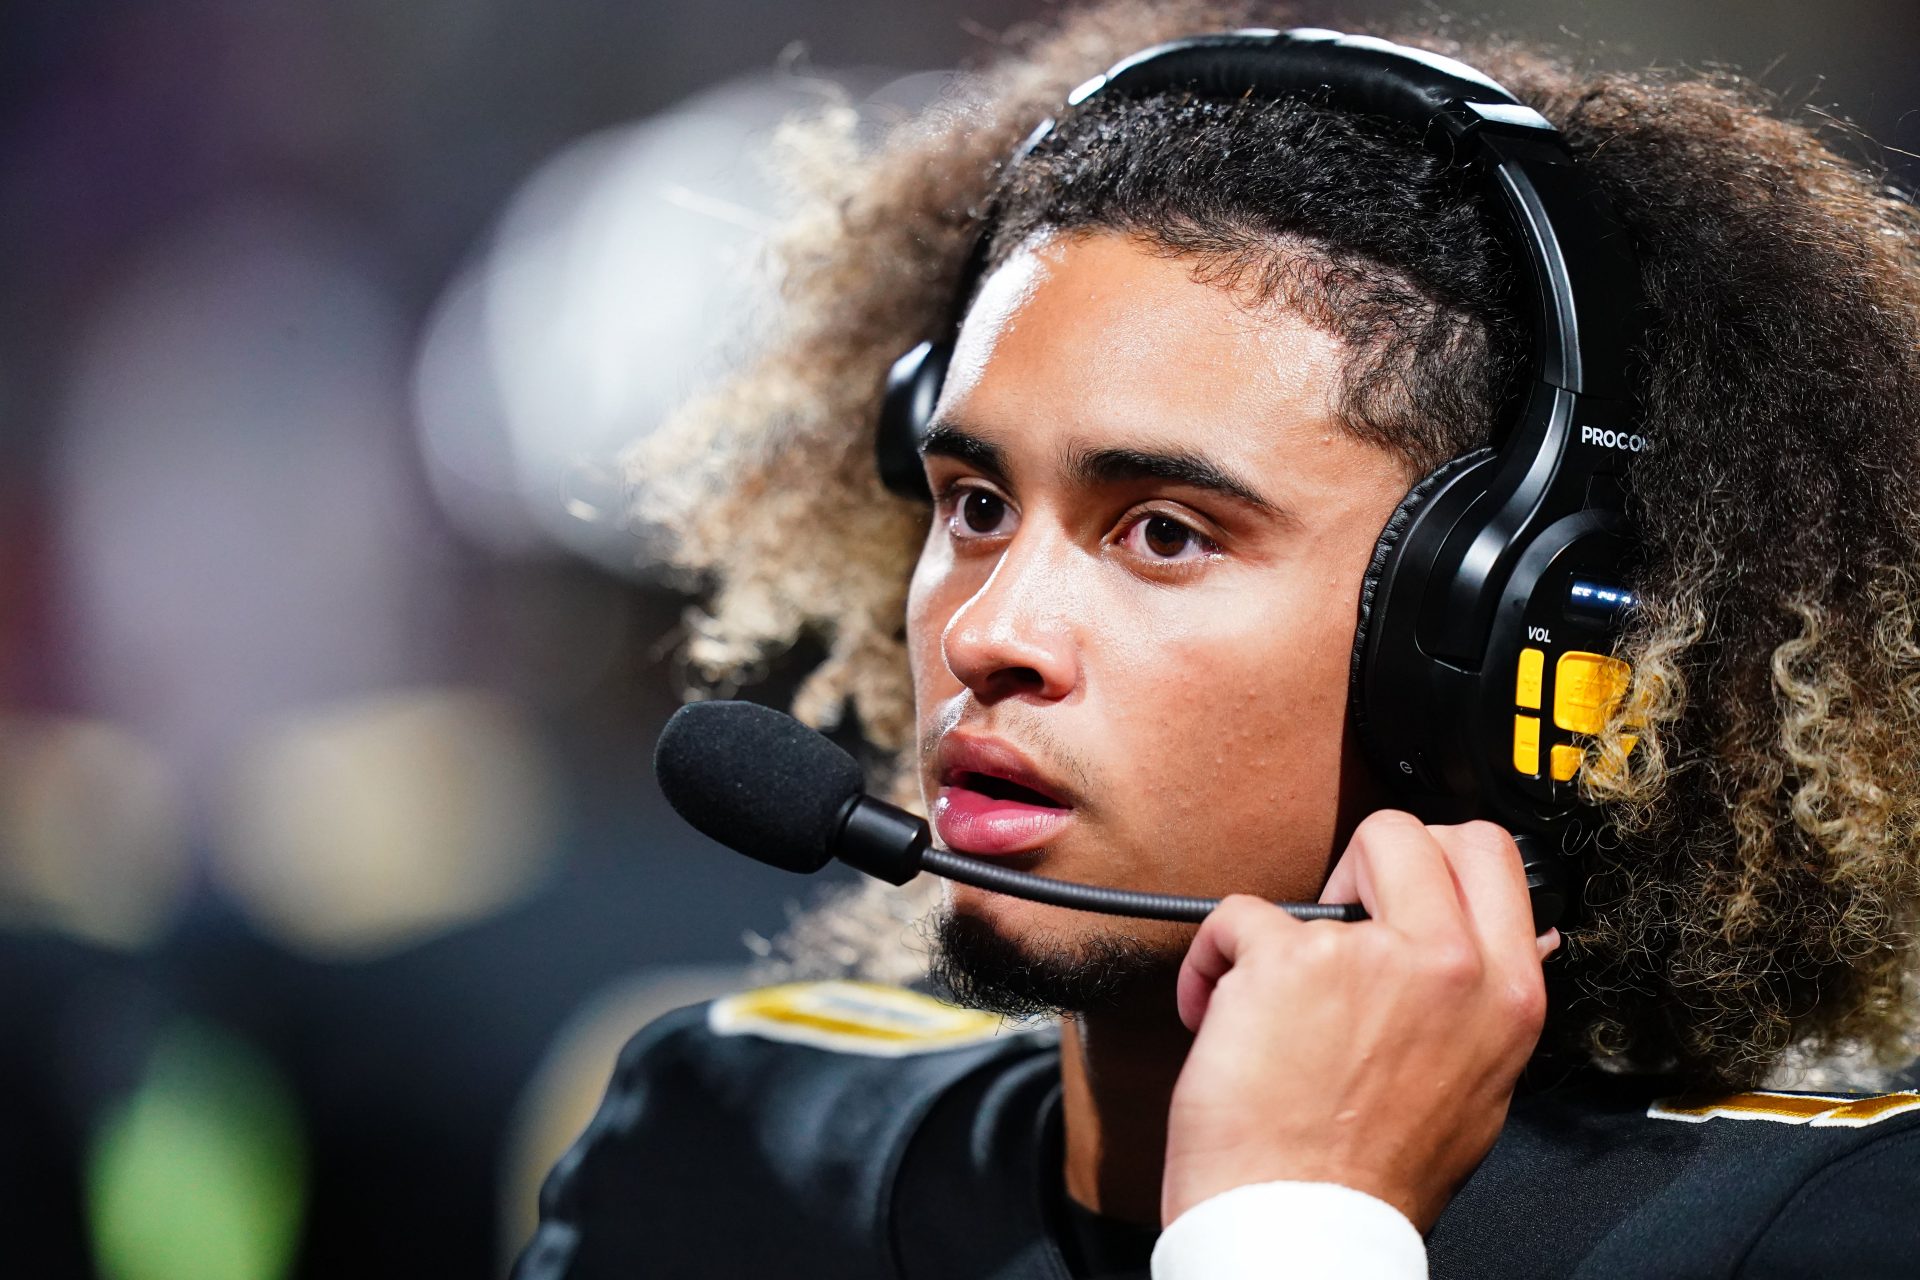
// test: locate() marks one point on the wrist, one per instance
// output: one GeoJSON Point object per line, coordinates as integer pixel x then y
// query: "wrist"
{"type": "Point", "coordinates": [1192, 1180]}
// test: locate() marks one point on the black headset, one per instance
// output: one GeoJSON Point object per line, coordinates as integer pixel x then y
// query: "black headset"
{"type": "Point", "coordinates": [1481, 657]}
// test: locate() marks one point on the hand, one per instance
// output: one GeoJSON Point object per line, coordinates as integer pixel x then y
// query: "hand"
{"type": "Point", "coordinates": [1379, 1055]}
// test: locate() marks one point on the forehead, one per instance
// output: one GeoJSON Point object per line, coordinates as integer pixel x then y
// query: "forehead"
{"type": "Point", "coordinates": [1099, 339]}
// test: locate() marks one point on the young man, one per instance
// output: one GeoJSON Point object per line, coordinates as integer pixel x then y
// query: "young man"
{"type": "Point", "coordinates": [1215, 342]}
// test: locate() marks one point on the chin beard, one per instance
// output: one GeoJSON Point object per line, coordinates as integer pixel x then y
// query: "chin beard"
{"type": "Point", "coordinates": [976, 966]}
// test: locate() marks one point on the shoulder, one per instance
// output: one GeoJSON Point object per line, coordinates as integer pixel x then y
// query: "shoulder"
{"type": "Point", "coordinates": [1608, 1177]}
{"type": "Point", "coordinates": [1840, 1174]}
{"type": "Point", "coordinates": [1788, 1141]}
{"type": "Point", "coordinates": [792, 1102]}
{"type": "Point", "coordinates": [841, 1048]}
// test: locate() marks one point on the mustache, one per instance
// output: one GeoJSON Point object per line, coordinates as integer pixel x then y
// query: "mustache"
{"type": "Point", "coordinates": [1026, 730]}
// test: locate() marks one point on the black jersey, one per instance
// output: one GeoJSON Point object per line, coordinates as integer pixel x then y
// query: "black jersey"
{"type": "Point", "coordinates": [860, 1133]}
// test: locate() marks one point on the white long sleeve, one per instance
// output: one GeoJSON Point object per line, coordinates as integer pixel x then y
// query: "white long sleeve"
{"type": "Point", "coordinates": [1290, 1231]}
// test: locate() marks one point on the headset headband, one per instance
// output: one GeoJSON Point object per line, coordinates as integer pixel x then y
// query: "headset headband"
{"type": "Point", "coordinates": [1587, 308]}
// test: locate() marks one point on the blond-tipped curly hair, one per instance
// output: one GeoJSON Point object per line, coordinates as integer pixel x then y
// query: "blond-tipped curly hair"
{"type": "Point", "coordinates": [1757, 884]}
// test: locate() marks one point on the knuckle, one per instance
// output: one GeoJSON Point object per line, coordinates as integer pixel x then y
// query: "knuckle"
{"type": "Point", "coordinates": [1387, 833]}
{"type": "Point", "coordinates": [1313, 961]}
{"type": "Point", "coordinates": [1388, 822]}
{"type": "Point", "coordinates": [1323, 947]}
{"type": "Point", "coordinates": [1483, 836]}
{"type": "Point", "coordinates": [1245, 914]}
{"type": "Point", "coordinates": [1455, 965]}
{"type": "Point", "coordinates": [1526, 1003]}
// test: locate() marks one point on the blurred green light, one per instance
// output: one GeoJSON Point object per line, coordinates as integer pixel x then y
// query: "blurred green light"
{"type": "Point", "coordinates": [201, 1173]}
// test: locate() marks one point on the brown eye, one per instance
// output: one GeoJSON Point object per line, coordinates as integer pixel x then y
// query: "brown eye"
{"type": "Point", "coordinates": [982, 511]}
{"type": "Point", "coordinates": [1164, 541]}
{"type": "Point", "coordinates": [1164, 537]}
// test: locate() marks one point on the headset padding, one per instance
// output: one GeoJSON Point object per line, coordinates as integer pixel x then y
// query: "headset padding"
{"type": "Point", "coordinates": [906, 408]}
{"type": "Point", "coordinates": [1383, 549]}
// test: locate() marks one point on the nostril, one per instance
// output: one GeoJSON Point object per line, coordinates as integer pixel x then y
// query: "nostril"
{"type": "Point", "coordinates": [1012, 680]}
{"type": "Point", "coordinates": [1001, 649]}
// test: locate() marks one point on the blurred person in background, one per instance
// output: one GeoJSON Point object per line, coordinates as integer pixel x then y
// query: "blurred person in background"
{"type": "Point", "coordinates": [1304, 312]}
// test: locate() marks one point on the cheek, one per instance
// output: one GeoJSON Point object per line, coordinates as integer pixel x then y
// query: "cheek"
{"type": "Point", "coordinates": [932, 597]}
{"type": "Point", "coordinates": [1241, 697]}
{"type": "Point", "coordinates": [1241, 721]}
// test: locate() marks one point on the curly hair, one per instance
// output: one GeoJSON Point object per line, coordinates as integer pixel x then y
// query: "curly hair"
{"type": "Point", "coordinates": [1756, 885]}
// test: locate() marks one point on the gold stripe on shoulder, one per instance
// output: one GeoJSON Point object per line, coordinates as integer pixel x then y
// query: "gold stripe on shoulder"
{"type": "Point", "coordinates": [1816, 1111]}
{"type": "Point", "coordinates": [851, 1017]}
{"type": "Point", "coordinates": [1861, 1111]}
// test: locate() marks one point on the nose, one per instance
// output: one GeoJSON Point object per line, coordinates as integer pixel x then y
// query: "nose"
{"type": "Point", "coordinates": [1015, 637]}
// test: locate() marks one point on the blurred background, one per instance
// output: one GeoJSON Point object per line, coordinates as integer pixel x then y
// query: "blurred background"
{"type": "Point", "coordinates": [331, 871]}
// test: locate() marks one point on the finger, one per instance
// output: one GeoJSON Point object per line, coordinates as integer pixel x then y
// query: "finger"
{"type": "Point", "coordinates": [1493, 886]}
{"type": "Point", "coordinates": [1396, 869]}
{"type": "Point", "coordinates": [1547, 943]}
{"type": "Point", "coordinates": [1222, 939]}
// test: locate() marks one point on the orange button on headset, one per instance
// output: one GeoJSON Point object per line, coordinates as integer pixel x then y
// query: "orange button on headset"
{"type": "Point", "coordinates": [1526, 682]}
{"type": "Point", "coordinates": [1526, 744]}
{"type": "Point", "coordinates": [1585, 687]}
{"type": "Point", "coordinates": [1564, 762]}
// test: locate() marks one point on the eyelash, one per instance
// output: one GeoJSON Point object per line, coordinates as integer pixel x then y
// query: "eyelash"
{"type": "Point", "coordinates": [1207, 547]}
{"type": "Point", "coordinates": [947, 507]}
{"type": "Point", "coordinates": [955, 492]}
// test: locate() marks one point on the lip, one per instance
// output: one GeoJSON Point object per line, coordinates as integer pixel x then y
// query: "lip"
{"type": "Point", "coordinates": [972, 821]}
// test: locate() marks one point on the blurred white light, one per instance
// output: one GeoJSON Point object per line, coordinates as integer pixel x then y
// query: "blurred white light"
{"type": "Point", "coordinates": [620, 279]}
{"type": "Point", "coordinates": [624, 276]}
{"type": "Point", "coordinates": [234, 488]}
{"type": "Point", "coordinates": [464, 438]}
{"type": "Point", "coordinates": [364, 828]}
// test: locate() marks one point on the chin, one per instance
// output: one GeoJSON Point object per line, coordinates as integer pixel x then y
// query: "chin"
{"type": "Point", "coordinates": [1027, 959]}
{"type": "Point", "coordinates": [1048, 929]}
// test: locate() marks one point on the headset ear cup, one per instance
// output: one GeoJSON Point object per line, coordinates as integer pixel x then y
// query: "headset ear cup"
{"type": "Point", "coordinates": [1384, 550]}
{"type": "Point", "coordinates": [906, 410]}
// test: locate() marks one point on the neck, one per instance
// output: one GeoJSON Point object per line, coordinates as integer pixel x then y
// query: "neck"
{"type": "Point", "coordinates": [1117, 1075]}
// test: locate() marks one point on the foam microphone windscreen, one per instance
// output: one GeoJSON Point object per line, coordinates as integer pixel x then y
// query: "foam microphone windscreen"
{"type": "Point", "coordinates": [757, 781]}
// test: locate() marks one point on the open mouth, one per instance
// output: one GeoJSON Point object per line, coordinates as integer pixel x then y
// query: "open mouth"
{"type": "Point", "coordinates": [994, 802]}
{"type": "Point", "coordinates": [998, 788]}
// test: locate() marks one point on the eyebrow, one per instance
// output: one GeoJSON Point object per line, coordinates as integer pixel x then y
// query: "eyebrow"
{"type": "Point", "coordinates": [1107, 466]}
{"type": "Point", "coordinates": [946, 440]}
{"type": "Point", "coordinates": [1096, 467]}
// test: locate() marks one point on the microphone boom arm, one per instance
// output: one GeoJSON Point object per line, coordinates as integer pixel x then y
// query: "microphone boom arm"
{"type": "Point", "coordinates": [885, 840]}
{"type": "Point", "coordinates": [1114, 902]}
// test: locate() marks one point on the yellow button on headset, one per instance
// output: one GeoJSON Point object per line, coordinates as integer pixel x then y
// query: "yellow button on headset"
{"type": "Point", "coordinates": [1585, 687]}
{"type": "Point", "coordinates": [1526, 744]}
{"type": "Point", "coordinates": [1526, 683]}
{"type": "Point", "coordinates": [1564, 761]}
